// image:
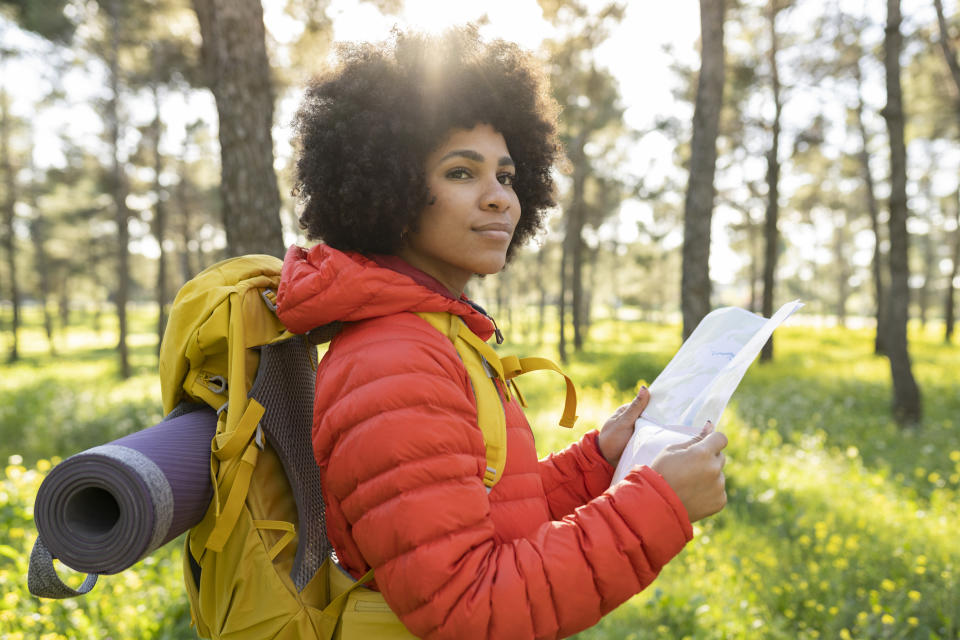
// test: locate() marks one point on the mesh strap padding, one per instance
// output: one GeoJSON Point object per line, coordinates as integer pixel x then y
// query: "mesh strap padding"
{"type": "Point", "coordinates": [284, 386]}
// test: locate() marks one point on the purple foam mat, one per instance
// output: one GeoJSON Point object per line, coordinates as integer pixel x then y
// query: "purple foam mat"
{"type": "Point", "coordinates": [103, 509]}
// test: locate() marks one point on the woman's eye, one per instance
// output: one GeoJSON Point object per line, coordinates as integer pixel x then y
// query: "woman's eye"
{"type": "Point", "coordinates": [458, 174]}
{"type": "Point", "coordinates": [507, 179]}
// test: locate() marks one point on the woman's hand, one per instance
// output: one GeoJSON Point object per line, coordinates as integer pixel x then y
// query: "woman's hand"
{"type": "Point", "coordinates": [694, 470]}
{"type": "Point", "coordinates": [616, 432]}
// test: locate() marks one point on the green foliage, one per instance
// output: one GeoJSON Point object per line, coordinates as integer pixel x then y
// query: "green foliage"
{"type": "Point", "coordinates": [44, 17]}
{"type": "Point", "coordinates": [65, 404]}
{"type": "Point", "coordinates": [839, 524]}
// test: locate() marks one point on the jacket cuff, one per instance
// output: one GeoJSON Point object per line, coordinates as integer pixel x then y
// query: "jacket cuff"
{"type": "Point", "coordinates": [590, 445]}
{"type": "Point", "coordinates": [597, 473]}
{"type": "Point", "coordinates": [664, 489]}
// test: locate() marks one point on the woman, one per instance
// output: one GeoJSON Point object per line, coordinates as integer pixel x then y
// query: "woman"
{"type": "Point", "coordinates": [423, 162]}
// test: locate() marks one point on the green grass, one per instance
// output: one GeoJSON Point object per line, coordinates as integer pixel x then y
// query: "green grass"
{"type": "Point", "coordinates": [839, 523]}
{"type": "Point", "coordinates": [57, 405]}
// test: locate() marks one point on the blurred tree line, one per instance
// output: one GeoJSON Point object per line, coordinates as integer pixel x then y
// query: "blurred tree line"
{"type": "Point", "coordinates": [820, 147]}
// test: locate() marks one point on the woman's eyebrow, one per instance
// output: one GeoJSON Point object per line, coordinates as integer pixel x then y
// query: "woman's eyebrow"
{"type": "Point", "coordinates": [470, 154]}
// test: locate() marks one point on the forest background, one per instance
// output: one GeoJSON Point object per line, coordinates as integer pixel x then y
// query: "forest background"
{"type": "Point", "coordinates": [751, 153]}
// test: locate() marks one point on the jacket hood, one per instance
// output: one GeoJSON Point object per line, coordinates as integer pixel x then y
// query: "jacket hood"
{"type": "Point", "coordinates": [323, 285]}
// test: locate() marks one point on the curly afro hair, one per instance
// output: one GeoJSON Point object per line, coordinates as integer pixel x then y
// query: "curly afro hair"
{"type": "Point", "coordinates": [366, 127]}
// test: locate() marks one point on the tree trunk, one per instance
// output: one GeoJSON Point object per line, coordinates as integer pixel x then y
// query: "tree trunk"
{"type": "Point", "coordinates": [182, 205]}
{"type": "Point", "coordinates": [542, 279]}
{"type": "Point", "coordinates": [843, 271]}
{"type": "Point", "coordinates": [119, 191]}
{"type": "Point", "coordinates": [945, 44]}
{"type": "Point", "coordinates": [576, 218]}
{"type": "Point", "coordinates": [616, 300]}
{"type": "Point", "coordinates": [238, 73]}
{"type": "Point", "coordinates": [562, 300]}
{"type": "Point", "coordinates": [949, 304]}
{"type": "Point", "coordinates": [159, 217]}
{"type": "Point", "coordinates": [63, 305]}
{"type": "Point", "coordinates": [41, 264]}
{"type": "Point", "coordinates": [771, 233]}
{"type": "Point", "coordinates": [877, 265]}
{"type": "Point", "coordinates": [9, 216]}
{"type": "Point", "coordinates": [502, 295]}
{"type": "Point", "coordinates": [698, 204]}
{"type": "Point", "coordinates": [906, 394]}
{"type": "Point", "coordinates": [929, 266]}
{"type": "Point", "coordinates": [589, 292]}
{"type": "Point", "coordinates": [951, 57]}
{"type": "Point", "coordinates": [41, 261]}
{"type": "Point", "coordinates": [752, 229]}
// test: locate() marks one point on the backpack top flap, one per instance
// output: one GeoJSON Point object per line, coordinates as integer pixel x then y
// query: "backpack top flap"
{"type": "Point", "coordinates": [208, 314]}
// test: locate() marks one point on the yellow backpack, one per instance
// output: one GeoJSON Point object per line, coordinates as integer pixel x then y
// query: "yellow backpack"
{"type": "Point", "coordinates": [259, 564]}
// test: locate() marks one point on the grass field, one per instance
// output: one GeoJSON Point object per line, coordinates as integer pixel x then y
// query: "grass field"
{"type": "Point", "coordinates": [839, 523]}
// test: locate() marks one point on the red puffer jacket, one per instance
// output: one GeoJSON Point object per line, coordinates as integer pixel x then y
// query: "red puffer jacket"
{"type": "Point", "coordinates": [544, 554]}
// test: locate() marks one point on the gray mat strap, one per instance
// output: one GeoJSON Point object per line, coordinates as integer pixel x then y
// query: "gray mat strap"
{"type": "Point", "coordinates": [42, 578]}
{"type": "Point", "coordinates": [160, 491]}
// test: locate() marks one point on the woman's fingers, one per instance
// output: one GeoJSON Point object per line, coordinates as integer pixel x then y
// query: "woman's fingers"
{"type": "Point", "coordinates": [639, 403]}
{"type": "Point", "coordinates": [708, 429]}
{"type": "Point", "coordinates": [714, 442]}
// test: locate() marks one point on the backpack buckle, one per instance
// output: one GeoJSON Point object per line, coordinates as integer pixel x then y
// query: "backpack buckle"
{"type": "Point", "coordinates": [217, 384]}
{"type": "Point", "coordinates": [269, 299]}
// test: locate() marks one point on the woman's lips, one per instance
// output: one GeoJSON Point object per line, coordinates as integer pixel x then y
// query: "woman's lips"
{"type": "Point", "coordinates": [495, 230]}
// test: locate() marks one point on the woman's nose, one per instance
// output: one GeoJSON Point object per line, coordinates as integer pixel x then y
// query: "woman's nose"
{"type": "Point", "coordinates": [496, 197]}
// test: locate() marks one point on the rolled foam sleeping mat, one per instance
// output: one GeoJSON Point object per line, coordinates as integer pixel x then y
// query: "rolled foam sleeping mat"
{"type": "Point", "coordinates": [103, 509]}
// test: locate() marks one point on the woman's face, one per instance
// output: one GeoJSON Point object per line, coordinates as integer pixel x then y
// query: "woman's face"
{"type": "Point", "coordinates": [468, 225]}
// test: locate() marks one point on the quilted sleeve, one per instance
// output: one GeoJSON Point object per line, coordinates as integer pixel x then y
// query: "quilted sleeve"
{"type": "Point", "coordinates": [402, 457]}
{"type": "Point", "coordinates": [575, 475]}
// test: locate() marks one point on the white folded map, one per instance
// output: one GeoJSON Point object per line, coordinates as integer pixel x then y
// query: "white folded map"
{"type": "Point", "coordinates": [697, 383]}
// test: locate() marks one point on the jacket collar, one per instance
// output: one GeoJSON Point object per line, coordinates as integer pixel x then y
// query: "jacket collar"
{"type": "Point", "coordinates": [323, 285]}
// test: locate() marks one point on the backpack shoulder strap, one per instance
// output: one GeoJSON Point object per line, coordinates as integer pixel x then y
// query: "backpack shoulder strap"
{"type": "Point", "coordinates": [483, 373]}
{"type": "Point", "coordinates": [485, 367]}
{"type": "Point", "coordinates": [514, 366]}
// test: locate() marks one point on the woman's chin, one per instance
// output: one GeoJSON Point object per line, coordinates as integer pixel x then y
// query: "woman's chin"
{"type": "Point", "coordinates": [490, 267]}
